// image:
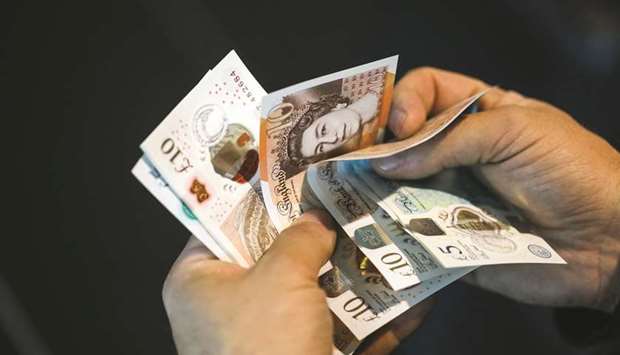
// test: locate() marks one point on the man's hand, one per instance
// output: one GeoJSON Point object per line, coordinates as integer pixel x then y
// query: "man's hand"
{"type": "Point", "coordinates": [565, 180]}
{"type": "Point", "coordinates": [276, 307]}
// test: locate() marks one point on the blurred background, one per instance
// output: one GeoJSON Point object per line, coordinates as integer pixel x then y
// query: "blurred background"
{"type": "Point", "coordinates": [85, 248]}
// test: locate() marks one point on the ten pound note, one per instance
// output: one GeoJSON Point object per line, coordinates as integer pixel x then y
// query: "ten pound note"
{"type": "Point", "coordinates": [358, 295]}
{"type": "Point", "coordinates": [354, 215]}
{"type": "Point", "coordinates": [152, 181]}
{"type": "Point", "coordinates": [206, 150]}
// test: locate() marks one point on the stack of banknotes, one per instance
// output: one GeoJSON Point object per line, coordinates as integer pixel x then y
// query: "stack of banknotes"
{"type": "Point", "coordinates": [237, 166]}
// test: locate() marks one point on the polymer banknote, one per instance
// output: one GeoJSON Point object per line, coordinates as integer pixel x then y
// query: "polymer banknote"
{"type": "Point", "coordinates": [359, 296]}
{"type": "Point", "coordinates": [352, 213]}
{"type": "Point", "coordinates": [151, 179]}
{"type": "Point", "coordinates": [455, 231]}
{"type": "Point", "coordinates": [206, 149]}
{"type": "Point", "coordinates": [423, 262]}
{"type": "Point", "coordinates": [399, 257]}
{"type": "Point", "coordinates": [317, 120]}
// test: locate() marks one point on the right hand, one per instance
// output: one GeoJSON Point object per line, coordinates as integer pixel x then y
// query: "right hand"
{"type": "Point", "coordinates": [564, 179]}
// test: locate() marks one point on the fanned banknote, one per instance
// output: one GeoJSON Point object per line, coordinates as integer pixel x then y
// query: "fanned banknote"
{"type": "Point", "coordinates": [158, 187]}
{"type": "Point", "coordinates": [317, 120]}
{"type": "Point", "coordinates": [351, 212]}
{"type": "Point", "coordinates": [359, 296]}
{"type": "Point", "coordinates": [398, 242]}
{"type": "Point", "coordinates": [399, 257]}
{"type": "Point", "coordinates": [455, 231]}
{"type": "Point", "coordinates": [423, 262]}
{"type": "Point", "coordinates": [207, 151]}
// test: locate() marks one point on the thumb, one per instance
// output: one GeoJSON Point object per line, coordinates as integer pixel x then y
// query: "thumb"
{"type": "Point", "coordinates": [303, 247]}
{"type": "Point", "coordinates": [485, 137]}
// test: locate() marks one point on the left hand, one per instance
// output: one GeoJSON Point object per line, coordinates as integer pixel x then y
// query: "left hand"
{"type": "Point", "coordinates": [275, 307]}
{"type": "Point", "coordinates": [564, 179]}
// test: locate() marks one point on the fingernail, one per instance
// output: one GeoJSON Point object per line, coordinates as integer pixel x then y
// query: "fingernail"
{"type": "Point", "coordinates": [397, 119]}
{"type": "Point", "coordinates": [386, 164]}
{"type": "Point", "coordinates": [316, 216]}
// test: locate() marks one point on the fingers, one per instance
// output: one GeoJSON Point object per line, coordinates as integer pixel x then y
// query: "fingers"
{"type": "Point", "coordinates": [480, 138]}
{"type": "Point", "coordinates": [195, 249]}
{"type": "Point", "coordinates": [193, 252]}
{"type": "Point", "coordinates": [303, 247]}
{"type": "Point", "coordinates": [477, 139]}
{"type": "Point", "coordinates": [424, 91]}
{"type": "Point", "coordinates": [195, 262]}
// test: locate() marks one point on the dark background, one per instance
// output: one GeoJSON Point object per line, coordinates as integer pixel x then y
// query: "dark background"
{"type": "Point", "coordinates": [85, 248]}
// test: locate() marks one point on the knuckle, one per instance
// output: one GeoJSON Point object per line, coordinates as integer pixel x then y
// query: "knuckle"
{"type": "Point", "coordinates": [513, 117]}
{"type": "Point", "coordinates": [425, 70]}
{"type": "Point", "coordinates": [419, 72]}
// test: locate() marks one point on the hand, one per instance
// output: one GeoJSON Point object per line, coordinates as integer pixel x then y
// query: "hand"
{"type": "Point", "coordinates": [276, 307]}
{"type": "Point", "coordinates": [564, 179]}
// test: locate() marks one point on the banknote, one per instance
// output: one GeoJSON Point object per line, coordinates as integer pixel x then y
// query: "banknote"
{"type": "Point", "coordinates": [350, 211]}
{"type": "Point", "coordinates": [455, 231]}
{"type": "Point", "coordinates": [345, 343]}
{"type": "Point", "coordinates": [207, 151]}
{"type": "Point", "coordinates": [317, 120]}
{"type": "Point", "coordinates": [359, 296]}
{"type": "Point", "coordinates": [424, 265]}
{"type": "Point", "coordinates": [150, 178]}
{"type": "Point", "coordinates": [432, 127]}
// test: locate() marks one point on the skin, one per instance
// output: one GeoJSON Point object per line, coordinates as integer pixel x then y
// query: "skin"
{"type": "Point", "coordinates": [331, 131]}
{"type": "Point", "coordinates": [276, 307]}
{"type": "Point", "coordinates": [562, 177]}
